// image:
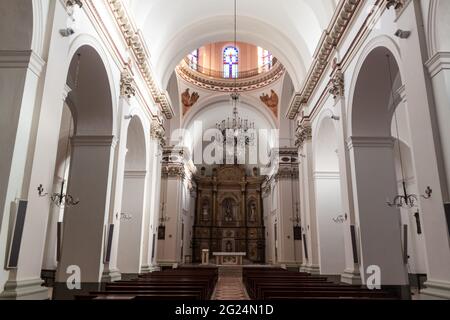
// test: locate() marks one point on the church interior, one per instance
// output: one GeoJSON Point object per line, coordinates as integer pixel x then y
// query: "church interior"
{"type": "Point", "coordinates": [224, 150]}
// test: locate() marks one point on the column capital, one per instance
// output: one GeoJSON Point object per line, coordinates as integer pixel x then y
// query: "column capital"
{"type": "Point", "coordinates": [370, 142]}
{"type": "Point", "coordinates": [94, 141]}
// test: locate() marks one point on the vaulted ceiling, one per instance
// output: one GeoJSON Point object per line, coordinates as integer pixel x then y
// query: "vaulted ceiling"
{"type": "Point", "coordinates": [290, 29]}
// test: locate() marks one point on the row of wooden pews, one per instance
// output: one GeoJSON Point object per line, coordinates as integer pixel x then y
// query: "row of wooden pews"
{"type": "Point", "coordinates": [279, 284]}
{"type": "Point", "coordinates": [170, 285]}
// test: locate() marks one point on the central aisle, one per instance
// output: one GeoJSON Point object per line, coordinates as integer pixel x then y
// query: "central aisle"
{"type": "Point", "coordinates": [230, 285]}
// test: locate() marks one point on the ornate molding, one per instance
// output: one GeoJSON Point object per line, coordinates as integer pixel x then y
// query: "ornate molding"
{"type": "Point", "coordinates": [157, 132]}
{"type": "Point", "coordinates": [337, 82]}
{"type": "Point", "coordinates": [137, 46]}
{"type": "Point", "coordinates": [127, 85]}
{"type": "Point", "coordinates": [330, 40]}
{"type": "Point", "coordinates": [304, 133]}
{"type": "Point", "coordinates": [189, 100]}
{"type": "Point", "coordinates": [227, 85]}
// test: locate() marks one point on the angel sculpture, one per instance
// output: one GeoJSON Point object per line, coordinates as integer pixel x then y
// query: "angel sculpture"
{"type": "Point", "coordinates": [189, 100]}
{"type": "Point", "coordinates": [271, 101]}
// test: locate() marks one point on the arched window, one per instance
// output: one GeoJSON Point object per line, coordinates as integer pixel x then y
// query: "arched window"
{"type": "Point", "coordinates": [230, 62]}
{"type": "Point", "coordinates": [193, 59]}
{"type": "Point", "coordinates": [265, 59]}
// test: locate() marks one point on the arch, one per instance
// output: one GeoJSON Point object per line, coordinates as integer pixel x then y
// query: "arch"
{"type": "Point", "coordinates": [99, 57]}
{"type": "Point", "coordinates": [372, 64]}
{"type": "Point", "coordinates": [91, 167]}
{"type": "Point", "coordinates": [373, 163]}
{"type": "Point", "coordinates": [438, 26]}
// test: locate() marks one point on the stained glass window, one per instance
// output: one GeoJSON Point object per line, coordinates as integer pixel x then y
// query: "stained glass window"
{"type": "Point", "coordinates": [230, 62]}
{"type": "Point", "coordinates": [193, 59]}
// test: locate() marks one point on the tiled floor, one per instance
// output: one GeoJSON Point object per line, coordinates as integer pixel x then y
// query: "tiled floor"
{"type": "Point", "coordinates": [230, 286]}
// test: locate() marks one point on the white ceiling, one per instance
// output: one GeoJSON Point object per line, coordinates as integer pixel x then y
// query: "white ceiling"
{"type": "Point", "coordinates": [290, 29]}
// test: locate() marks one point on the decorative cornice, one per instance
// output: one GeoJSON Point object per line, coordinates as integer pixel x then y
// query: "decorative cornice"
{"type": "Point", "coordinates": [330, 40]}
{"type": "Point", "coordinates": [137, 46]}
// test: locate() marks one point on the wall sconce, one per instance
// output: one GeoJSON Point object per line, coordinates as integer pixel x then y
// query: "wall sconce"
{"type": "Point", "coordinates": [67, 32]}
{"type": "Point", "coordinates": [402, 34]}
{"type": "Point", "coordinates": [335, 118]}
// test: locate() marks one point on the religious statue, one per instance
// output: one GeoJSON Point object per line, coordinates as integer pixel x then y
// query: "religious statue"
{"type": "Point", "coordinates": [252, 213]}
{"type": "Point", "coordinates": [228, 211]}
{"type": "Point", "coordinates": [205, 211]}
{"type": "Point", "coordinates": [229, 247]}
{"type": "Point", "coordinates": [271, 101]}
{"type": "Point", "coordinates": [189, 100]}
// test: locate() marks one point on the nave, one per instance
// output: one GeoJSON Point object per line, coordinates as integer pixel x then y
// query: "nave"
{"type": "Point", "coordinates": [148, 151]}
{"type": "Point", "coordinates": [234, 284]}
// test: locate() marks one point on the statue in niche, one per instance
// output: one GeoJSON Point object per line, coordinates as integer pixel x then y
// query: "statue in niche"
{"type": "Point", "coordinates": [252, 212]}
{"type": "Point", "coordinates": [205, 211]}
{"type": "Point", "coordinates": [228, 208]}
{"type": "Point", "coordinates": [271, 101]}
{"type": "Point", "coordinates": [229, 246]}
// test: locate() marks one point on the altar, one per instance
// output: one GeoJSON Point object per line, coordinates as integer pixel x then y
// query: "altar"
{"type": "Point", "coordinates": [229, 258]}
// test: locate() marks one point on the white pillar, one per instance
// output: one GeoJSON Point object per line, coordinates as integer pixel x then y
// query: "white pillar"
{"type": "Point", "coordinates": [132, 224]}
{"type": "Point", "coordinates": [351, 273]}
{"type": "Point", "coordinates": [309, 207]}
{"type": "Point", "coordinates": [424, 151]}
{"type": "Point", "coordinates": [111, 271]}
{"type": "Point", "coordinates": [330, 234]}
{"type": "Point", "coordinates": [169, 249]}
{"type": "Point", "coordinates": [86, 225]}
{"type": "Point", "coordinates": [379, 225]}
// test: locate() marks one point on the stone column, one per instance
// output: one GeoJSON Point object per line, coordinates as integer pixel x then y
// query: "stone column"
{"type": "Point", "coordinates": [351, 273]}
{"type": "Point", "coordinates": [86, 225]}
{"type": "Point", "coordinates": [425, 150]}
{"type": "Point", "coordinates": [111, 271]}
{"type": "Point", "coordinates": [132, 223]}
{"type": "Point", "coordinates": [379, 225]}
{"type": "Point", "coordinates": [308, 196]}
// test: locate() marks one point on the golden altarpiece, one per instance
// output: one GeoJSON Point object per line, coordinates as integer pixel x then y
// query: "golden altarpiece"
{"type": "Point", "coordinates": [229, 214]}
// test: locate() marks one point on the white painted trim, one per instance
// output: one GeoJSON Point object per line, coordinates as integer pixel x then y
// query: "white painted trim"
{"type": "Point", "coordinates": [11, 59]}
{"type": "Point", "coordinates": [439, 62]}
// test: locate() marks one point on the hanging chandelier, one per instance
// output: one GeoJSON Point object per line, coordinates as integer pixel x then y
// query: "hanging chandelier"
{"type": "Point", "coordinates": [236, 131]}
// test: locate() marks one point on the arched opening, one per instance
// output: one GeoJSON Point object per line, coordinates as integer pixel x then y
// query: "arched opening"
{"type": "Point", "coordinates": [131, 236]}
{"type": "Point", "coordinates": [84, 247]}
{"type": "Point", "coordinates": [330, 218]}
{"type": "Point", "coordinates": [372, 155]}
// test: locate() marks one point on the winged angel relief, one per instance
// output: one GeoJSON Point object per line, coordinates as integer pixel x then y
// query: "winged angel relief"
{"type": "Point", "coordinates": [189, 100]}
{"type": "Point", "coordinates": [271, 101]}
